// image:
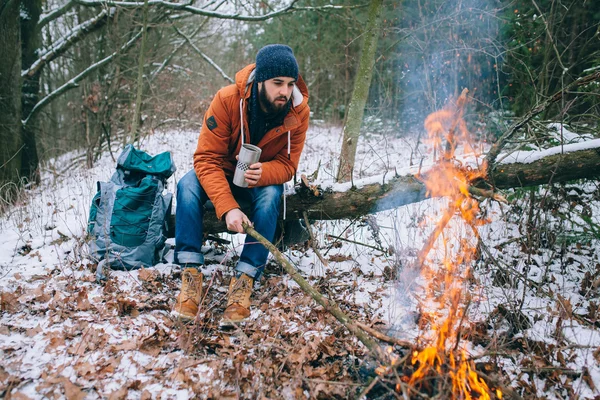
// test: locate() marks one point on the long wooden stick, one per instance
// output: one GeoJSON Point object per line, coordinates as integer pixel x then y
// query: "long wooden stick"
{"type": "Point", "coordinates": [383, 337]}
{"type": "Point", "coordinates": [327, 304]}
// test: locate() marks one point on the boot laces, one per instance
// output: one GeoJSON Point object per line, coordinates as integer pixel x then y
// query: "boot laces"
{"type": "Point", "coordinates": [189, 284]}
{"type": "Point", "coordinates": [240, 289]}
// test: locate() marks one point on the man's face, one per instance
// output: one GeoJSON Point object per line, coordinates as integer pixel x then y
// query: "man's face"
{"type": "Point", "coordinates": [275, 93]}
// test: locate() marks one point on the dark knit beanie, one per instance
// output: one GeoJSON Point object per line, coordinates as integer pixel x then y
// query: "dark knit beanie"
{"type": "Point", "coordinates": [275, 60]}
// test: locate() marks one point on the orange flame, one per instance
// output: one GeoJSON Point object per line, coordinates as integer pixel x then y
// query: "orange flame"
{"type": "Point", "coordinates": [449, 178]}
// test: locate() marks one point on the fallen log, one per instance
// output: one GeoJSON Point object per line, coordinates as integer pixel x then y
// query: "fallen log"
{"type": "Point", "coordinates": [555, 165]}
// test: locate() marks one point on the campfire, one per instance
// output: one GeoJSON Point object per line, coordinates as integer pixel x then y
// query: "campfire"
{"type": "Point", "coordinates": [441, 365]}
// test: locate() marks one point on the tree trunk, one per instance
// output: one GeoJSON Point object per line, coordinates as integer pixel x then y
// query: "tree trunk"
{"type": "Point", "coordinates": [140, 79]}
{"type": "Point", "coordinates": [360, 92]}
{"type": "Point", "coordinates": [402, 190]}
{"type": "Point", "coordinates": [10, 95]}
{"type": "Point", "coordinates": [31, 42]}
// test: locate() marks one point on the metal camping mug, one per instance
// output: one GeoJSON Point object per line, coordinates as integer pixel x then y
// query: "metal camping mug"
{"type": "Point", "coordinates": [249, 154]}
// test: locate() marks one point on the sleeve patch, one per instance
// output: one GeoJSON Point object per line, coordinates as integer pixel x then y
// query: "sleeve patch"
{"type": "Point", "coordinates": [211, 123]}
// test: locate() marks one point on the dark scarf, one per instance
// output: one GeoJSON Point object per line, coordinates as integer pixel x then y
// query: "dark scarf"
{"type": "Point", "coordinates": [259, 122]}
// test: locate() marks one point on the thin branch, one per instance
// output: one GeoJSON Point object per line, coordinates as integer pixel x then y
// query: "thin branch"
{"type": "Point", "coordinates": [383, 337]}
{"type": "Point", "coordinates": [167, 60]}
{"type": "Point", "coordinates": [207, 58]}
{"type": "Point", "coordinates": [213, 14]}
{"type": "Point", "coordinates": [355, 242]}
{"type": "Point", "coordinates": [549, 32]}
{"type": "Point", "coordinates": [364, 393]}
{"type": "Point", "coordinates": [313, 240]}
{"type": "Point", "coordinates": [54, 14]}
{"type": "Point", "coordinates": [499, 145]}
{"type": "Point", "coordinates": [70, 39]}
{"type": "Point", "coordinates": [73, 82]}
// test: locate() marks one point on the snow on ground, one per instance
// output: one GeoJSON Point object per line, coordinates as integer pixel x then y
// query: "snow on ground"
{"type": "Point", "coordinates": [533, 311]}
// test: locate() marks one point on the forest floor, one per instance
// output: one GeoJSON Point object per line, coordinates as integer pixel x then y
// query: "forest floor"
{"type": "Point", "coordinates": [530, 324]}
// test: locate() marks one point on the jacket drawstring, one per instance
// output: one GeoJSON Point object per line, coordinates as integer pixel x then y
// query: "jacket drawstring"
{"type": "Point", "coordinates": [242, 119]}
{"type": "Point", "coordinates": [285, 185]}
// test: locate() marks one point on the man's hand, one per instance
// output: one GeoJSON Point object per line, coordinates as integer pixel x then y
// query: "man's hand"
{"type": "Point", "coordinates": [253, 174]}
{"type": "Point", "coordinates": [234, 219]}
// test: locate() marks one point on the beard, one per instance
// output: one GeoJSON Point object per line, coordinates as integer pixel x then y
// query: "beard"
{"type": "Point", "coordinates": [272, 109]}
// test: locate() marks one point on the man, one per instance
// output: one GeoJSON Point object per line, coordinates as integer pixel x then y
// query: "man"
{"type": "Point", "coordinates": [266, 107]}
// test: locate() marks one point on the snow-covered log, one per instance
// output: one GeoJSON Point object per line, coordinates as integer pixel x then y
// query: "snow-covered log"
{"type": "Point", "coordinates": [521, 169]}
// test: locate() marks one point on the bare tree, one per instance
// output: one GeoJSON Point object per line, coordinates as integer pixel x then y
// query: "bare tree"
{"type": "Point", "coordinates": [360, 93]}
{"type": "Point", "coordinates": [10, 93]}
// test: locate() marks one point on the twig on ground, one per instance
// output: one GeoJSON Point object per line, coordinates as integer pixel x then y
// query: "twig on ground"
{"type": "Point", "coordinates": [358, 243]}
{"type": "Point", "coordinates": [313, 241]}
{"type": "Point", "coordinates": [345, 229]}
{"type": "Point", "coordinates": [382, 336]}
{"type": "Point", "coordinates": [368, 388]}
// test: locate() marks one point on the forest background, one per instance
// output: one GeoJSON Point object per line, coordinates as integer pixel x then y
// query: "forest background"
{"type": "Point", "coordinates": [83, 74]}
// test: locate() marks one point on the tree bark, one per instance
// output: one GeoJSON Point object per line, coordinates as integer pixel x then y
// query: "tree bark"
{"type": "Point", "coordinates": [140, 79]}
{"type": "Point", "coordinates": [360, 93]}
{"type": "Point", "coordinates": [10, 94]}
{"type": "Point", "coordinates": [402, 190]}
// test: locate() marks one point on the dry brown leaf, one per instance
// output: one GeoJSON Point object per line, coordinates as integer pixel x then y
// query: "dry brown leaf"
{"type": "Point", "coordinates": [83, 304]}
{"type": "Point", "coordinates": [78, 348]}
{"type": "Point", "coordinates": [58, 302]}
{"type": "Point", "coordinates": [31, 332]}
{"type": "Point", "coordinates": [339, 258]}
{"type": "Point", "coordinates": [152, 347]}
{"type": "Point", "coordinates": [56, 339]}
{"type": "Point", "coordinates": [19, 396]}
{"type": "Point", "coordinates": [564, 306]}
{"type": "Point", "coordinates": [9, 302]}
{"type": "Point", "coordinates": [126, 345]}
{"type": "Point", "coordinates": [40, 294]}
{"type": "Point", "coordinates": [148, 275]}
{"type": "Point", "coordinates": [127, 306]}
{"type": "Point", "coordinates": [85, 369]}
{"type": "Point", "coordinates": [72, 391]}
{"type": "Point", "coordinates": [120, 394]}
{"type": "Point", "coordinates": [146, 395]}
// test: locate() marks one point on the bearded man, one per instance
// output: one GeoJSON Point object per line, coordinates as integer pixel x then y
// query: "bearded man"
{"type": "Point", "coordinates": [267, 107]}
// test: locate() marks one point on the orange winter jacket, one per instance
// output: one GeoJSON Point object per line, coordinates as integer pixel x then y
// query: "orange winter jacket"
{"type": "Point", "coordinates": [219, 140]}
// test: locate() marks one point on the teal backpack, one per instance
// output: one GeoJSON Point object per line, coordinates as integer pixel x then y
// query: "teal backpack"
{"type": "Point", "coordinates": [128, 216]}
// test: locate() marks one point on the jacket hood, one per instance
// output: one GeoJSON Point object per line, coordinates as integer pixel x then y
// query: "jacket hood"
{"type": "Point", "coordinates": [245, 77]}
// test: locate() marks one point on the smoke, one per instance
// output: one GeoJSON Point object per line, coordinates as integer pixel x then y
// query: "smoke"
{"type": "Point", "coordinates": [449, 45]}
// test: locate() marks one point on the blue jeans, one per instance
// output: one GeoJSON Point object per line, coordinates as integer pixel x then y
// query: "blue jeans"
{"type": "Point", "coordinates": [189, 228]}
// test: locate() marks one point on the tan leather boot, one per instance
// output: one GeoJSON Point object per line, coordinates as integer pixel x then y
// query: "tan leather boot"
{"type": "Point", "coordinates": [186, 306]}
{"type": "Point", "coordinates": [238, 300]}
